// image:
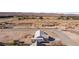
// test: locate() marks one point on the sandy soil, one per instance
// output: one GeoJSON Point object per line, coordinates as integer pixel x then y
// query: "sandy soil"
{"type": "Point", "coordinates": [26, 35]}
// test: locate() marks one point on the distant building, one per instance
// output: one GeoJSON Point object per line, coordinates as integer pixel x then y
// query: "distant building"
{"type": "Point", "coordinates": [6, 26]}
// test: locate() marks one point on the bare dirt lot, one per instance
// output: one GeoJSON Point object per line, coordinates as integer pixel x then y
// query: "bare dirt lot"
{"type": "Point", "coordinates": [22, 30]}
{"type": "Point", "coordinates": [26, 35]}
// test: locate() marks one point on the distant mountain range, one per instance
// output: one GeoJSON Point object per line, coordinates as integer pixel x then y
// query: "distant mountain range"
{"type": "Point", "coordinates": [35, 14]}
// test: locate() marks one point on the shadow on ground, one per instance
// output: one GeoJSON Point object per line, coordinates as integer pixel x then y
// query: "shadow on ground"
{"type": "Point", "coordinates": [42, 43]}
{"type": "Point", "coordinates": [51, 39]}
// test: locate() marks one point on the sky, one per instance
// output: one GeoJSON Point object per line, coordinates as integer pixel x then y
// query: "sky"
{"type": "Point", "coordinates": [39, 6]}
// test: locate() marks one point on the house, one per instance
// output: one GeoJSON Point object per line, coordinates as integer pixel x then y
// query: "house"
{"type": "Point", "coordinates": [41, 36]}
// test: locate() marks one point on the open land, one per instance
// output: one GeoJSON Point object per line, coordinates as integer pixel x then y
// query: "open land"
{"type": "Point", "coordinates": [19, 28]}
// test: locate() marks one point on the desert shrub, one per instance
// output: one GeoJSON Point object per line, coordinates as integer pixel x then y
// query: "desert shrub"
{"type": "Point", "coordinates": [58, 43]}
{"type": "Point", "coordinates": [16, 42]}
{"type": "Point", "coordinates": [69, 17]}
{"type": "Point", "coordinates": [9, 43]}
{"type": "Point", "coordinates": [20, 18]}
{"type": "Point", "coordinates": [2, 44]}
{"type": "Point", "coordinates": [41, 17]}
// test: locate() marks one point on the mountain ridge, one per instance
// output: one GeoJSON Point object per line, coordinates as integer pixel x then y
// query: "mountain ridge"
{"type": "Point", "coordinates": [36, 14]}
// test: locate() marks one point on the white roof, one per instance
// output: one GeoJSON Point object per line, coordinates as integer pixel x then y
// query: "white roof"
{"type": "Point", "coordinates": [40, 34]}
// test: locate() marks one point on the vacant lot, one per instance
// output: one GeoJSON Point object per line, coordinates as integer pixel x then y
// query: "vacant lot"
{"type": "Point", "coordinates": [23, 30]}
